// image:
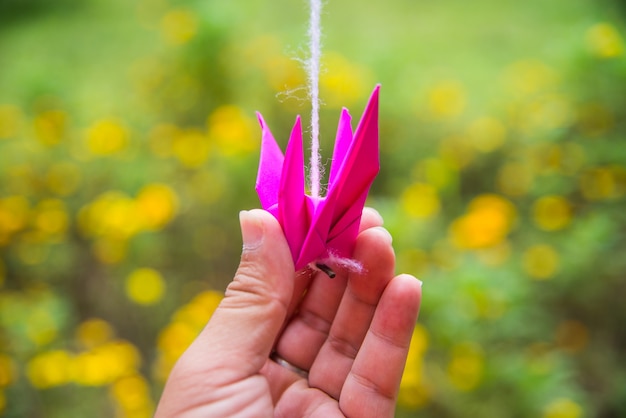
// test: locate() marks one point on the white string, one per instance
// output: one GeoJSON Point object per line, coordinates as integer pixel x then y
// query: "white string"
{"type": "Point", "coordinates": [313, 72]}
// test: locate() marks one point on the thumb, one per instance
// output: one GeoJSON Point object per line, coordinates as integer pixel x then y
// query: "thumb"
{"type": "Point", "coordinates": [243, 328]}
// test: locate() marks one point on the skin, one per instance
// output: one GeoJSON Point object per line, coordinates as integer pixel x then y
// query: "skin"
{"type": "Point", "coordinates": [351, 333]}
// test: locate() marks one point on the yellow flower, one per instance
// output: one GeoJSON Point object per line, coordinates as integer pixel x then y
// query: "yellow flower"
{"type": "Point", "coordinates": [603, 182]}
{"type": "Point", "coordinates": [191, 148]}
{"type": "Point", "coordinates": [414, 392]}
{"type": "Point", "coordinates": [487, 223]}
{"type": "Point", "coordinates": [186, 323]}
{"type": "Point", "coordinates": [156, 205]}
{"type": "Point", "coordinates": [198, 312]}
{"type": "Point", "coordinates": [112, 214]}
{"type": "Point", "coordinates": [420, 200]}
{"type": "Point", "coordinates": [552, 213]}
{"type": "Point", "coordinates": [94, 332]}
{"type": "Point", "coordinates": [541, 261]}
{"type": "Point", "coordinates": [446, 99]}
{"type": "Point", "coordinates": [93, 368]}
{"type": "Point", "coordinates": [604, 40]}
{"type": "Point", "coordinates": [232, 130]}
{"type": "Point", "coordinates": [107, 137]}
{"type": "Point", "coordinates": [51, 217]}
{"type": "Point", "coordinates": [106, 363]}
{"type": "Point", "coordinates": [119, 216]}
{"type": "Point", "coordinates": [132, 393]}
{"type": "Point", "coordinates": [128, 358]}
{"type": "Point", "coordinates": [562, 408]}
{"type": "Point", "coordinates": [111, 219]}
{"type": "Point", "coordinates": [465, 369]}
{"type": "Point", "coordinates": [50, 369]}
{"type": "Point", "coordinates": [145, 286]}
{"type": "Point", "coordinates": [14, 214]}
{"type": "Point", "coordinates": [172, 343]}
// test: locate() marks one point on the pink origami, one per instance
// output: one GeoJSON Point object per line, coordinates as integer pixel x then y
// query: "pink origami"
{"type": "Point", "coordinates": [321, 228]}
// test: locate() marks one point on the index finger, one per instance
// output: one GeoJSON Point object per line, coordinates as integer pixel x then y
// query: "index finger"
{"type": "Point", "coordinates": [371, 387]}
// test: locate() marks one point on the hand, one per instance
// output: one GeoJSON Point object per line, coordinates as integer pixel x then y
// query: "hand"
{"type": "Point", "coordinates": [350, 333]}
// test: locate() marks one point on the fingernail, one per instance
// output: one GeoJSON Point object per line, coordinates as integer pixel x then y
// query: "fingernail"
{"type": "Point", "coordinates": [419, 281]}
{"type": "Point", "coordinates": [386, 233]}
{"type": "Point", "coordinates": [251, 230]}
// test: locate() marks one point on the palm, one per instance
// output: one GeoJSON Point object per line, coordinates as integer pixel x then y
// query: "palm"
{"type": "Point", "coordinates": [351, 333]}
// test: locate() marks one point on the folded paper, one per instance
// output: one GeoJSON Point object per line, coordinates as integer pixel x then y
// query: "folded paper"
{"type": "Point", "coordinates": [320, 228]}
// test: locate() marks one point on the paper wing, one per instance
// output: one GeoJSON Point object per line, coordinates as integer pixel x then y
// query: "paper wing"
{"type": "Point", "coordinates": [293, 207]}
{"type": "Point", "coordinates": [270, 169]}
{"type": "Point", "coordinates": [336, 220]}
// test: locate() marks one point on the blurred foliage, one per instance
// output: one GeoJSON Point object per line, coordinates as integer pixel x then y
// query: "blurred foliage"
{"type": "Point", "coordinates": [128, 146]}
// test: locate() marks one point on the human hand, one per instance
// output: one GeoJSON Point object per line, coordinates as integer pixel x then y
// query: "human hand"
{"type": "Point", "coordinates": [350, 333]}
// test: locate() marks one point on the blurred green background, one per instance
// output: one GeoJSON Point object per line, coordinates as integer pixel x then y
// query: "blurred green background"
{"type": "Point", "coordinates": [128, 145]}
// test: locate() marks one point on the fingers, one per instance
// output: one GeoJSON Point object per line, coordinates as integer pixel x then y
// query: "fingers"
{"type": "Point", "coordinates": [371, 387]}
{"type": "Point", "coordinates": [354, 315]}
{"type": "Point", "coordinates": [370, 218]}
{"type": "Point", "coordinates": [306, 332]}
{"type": "Point", "coordinates": [346, 302]}
{"type": "Point", "coordinates": [304, 335]}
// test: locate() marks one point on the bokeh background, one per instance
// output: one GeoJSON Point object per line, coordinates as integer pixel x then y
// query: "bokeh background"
{"type": "Point", "coordinates": [128, 145]}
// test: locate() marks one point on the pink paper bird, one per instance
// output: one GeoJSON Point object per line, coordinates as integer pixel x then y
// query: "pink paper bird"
{"type": "Point", "coordinates": [321, 228]}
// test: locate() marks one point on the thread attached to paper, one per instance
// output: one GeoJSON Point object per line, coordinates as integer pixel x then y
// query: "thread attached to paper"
{"type": "Point", "coordinates": [313, 74]}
